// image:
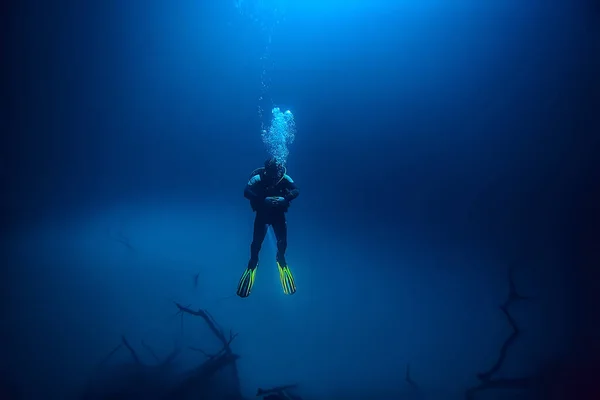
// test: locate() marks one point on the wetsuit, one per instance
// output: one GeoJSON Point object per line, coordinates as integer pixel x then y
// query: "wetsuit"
{"type": "Point", "coordinates": [257, 190]}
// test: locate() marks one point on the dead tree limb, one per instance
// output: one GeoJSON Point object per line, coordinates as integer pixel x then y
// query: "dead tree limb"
{"type": "Point", "coordinates": [196, 276]}
{"type": "Point", "coordinates": [121, 238]}
{"type": "Point", "coordinates": [134, 355]}
{"type": "Point", "coordinates": [408, 379]}
{"type": "Point", "coordinates": [212, 324]}
{"type": "Point", "coordinates": [278, 390]}
{"type": "Point", "coordinates": [109, 355]}
{"type": "Point", "coordinates": [226, 351]}
{"type": "Point", "coordinates": [152, 353]}
{"type": "Point", "coordinates": [486, 378]}
{"type": "Point", "coordinates": [171, 357]}
{"type": "Point", "coordinates": [124, 241]}
{"type": "Point", "coordinates": [196, 381]}
{"type": "Point", "coordinates": [209, 356]}
{"type": "Point", "coordinates": [181, 313]}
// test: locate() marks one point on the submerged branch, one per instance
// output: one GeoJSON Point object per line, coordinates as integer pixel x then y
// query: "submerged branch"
{"type": "Point", "coordinates": [109, 355]}
{"type": "Point", "coordinates": [202, 351]}
{"type": "Point", "coordinates": [121, 238]}
{"type": "Point", "coordinates": [171, 357]}
{"type": "Point", "coordinates": [152, 353]}
{"type": "Point", "coordinates": [278, 390]}
{"type": "Point", "coordinates": [134, 355]}
{"type": "Point", "coordinates": [486, 377]}
{"type": "Point", "coordinates": [226, 351]}
{"type": "Point", "coordinates": [212, 324]}
{"type": "Point", "coordinates": [408, 379]}
{"type": "Point", "coordinates": [513, 297]}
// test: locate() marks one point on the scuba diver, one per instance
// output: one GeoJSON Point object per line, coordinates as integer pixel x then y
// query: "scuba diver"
{"type": "Point", "coordinates": [270, 191]}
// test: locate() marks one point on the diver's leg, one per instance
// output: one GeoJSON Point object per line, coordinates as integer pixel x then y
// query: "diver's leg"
{"type": "Point", "coordinates": [285, 274]}
{"type": "Point", "coordinates": [247, 280]}
{"type": "Point", "coordinates": [258, 237]}
{"type": "Point", "coordinates": [280, 230]}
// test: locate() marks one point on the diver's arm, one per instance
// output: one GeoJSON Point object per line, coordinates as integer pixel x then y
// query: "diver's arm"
{"type": "Point", "coordinates": [249, 191]}
{"type": "Point", "coordinates": [292, 189]}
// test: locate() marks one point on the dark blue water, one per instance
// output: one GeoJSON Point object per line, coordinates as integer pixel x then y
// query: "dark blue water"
{"type": "Point", "coordinates": [438, 145]}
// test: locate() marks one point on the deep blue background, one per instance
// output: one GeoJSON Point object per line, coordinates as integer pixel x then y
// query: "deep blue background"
{"type": "Point", "coordinates": [438, 142]}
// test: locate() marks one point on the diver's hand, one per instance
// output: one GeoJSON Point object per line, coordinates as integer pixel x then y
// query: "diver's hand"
{"type": "Point", "coordinates": [271, 201]}
{"type": "Point", "coordinates": [274, 201]}
{"type": "Point", "coordinates": [281, 202]}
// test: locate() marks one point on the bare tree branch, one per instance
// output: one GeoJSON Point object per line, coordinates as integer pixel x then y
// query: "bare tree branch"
{"type": "Point", "coordinates": [109, 355]}
{"type": "Point", "coordinates": [218, 331]}
{"type": "Point", "coordinates": [152, 353]}
{"type": "Point", "coordinates": [196, 276]}
{"type": "Point", "coordinates": [202, 351]}
{"type": "Point", "coordinates": [171, 357]}
{"type": "Point", "coordinates": [513, 294]}
{"type": "Point", "coordinates": [124, 241]}
{"type": "Point", "coordinates": [200, 375]}
{"type": "Point", "coordinates": [134, 355]}
{"type": "Point", "coordinates": [280, 390]}
{"type": "Point", "coordinates": [408, 379]}
{"type": "Point", "coordinates": [212, 324]}
{"type": "Point", "coordinates": [486, 377]}
{"type": "Point", "coordinates": [121, 238]}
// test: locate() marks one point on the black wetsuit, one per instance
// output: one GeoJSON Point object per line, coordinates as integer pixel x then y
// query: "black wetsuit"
{"type": "Point", "coordinates": [256, 191]}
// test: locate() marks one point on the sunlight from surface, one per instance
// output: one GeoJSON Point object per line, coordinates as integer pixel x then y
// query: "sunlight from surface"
{"type": "Point", "coordinates": [338, 8]}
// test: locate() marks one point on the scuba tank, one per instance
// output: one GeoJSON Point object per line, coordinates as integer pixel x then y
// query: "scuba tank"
{"type": "Point", "coordinates": [261, 171]}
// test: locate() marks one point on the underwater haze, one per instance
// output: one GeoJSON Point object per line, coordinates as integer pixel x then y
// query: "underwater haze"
{"type": "Point", "coordinates": [445, 169]}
